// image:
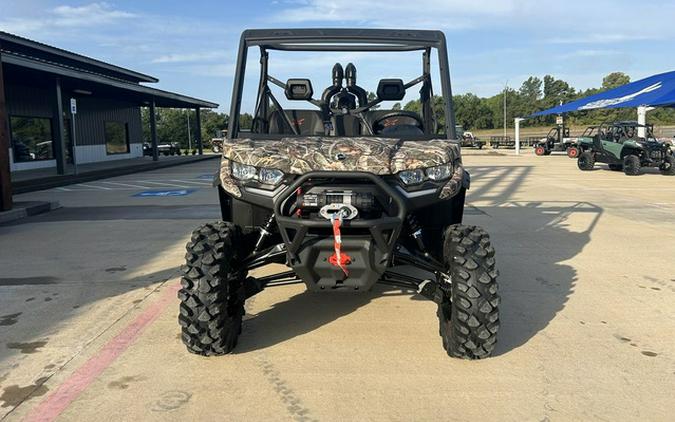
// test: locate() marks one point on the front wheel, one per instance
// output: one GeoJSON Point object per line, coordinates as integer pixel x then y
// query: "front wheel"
{"type": "Point", "coordinates": [631, 165]}
{"type": "Point", "coordinates": [540, 151]}
{"type": "Point", "coordinates": [469, 313]}
{"type": "Point", "coordinates": [212, 297]}
{"type": "Point", "coordinates": [586, 161]}
{"type": "Point", "coordinates": [667, 168]}
{"type": "Point", "coordinates": [573, 152]}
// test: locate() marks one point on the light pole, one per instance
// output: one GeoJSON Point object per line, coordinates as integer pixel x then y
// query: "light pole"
{"type": "Point", "coordinates": [506, 86]}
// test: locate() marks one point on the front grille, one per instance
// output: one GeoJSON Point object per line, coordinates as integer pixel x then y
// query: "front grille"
{"type": "Point", "coordinates": [655, 155]}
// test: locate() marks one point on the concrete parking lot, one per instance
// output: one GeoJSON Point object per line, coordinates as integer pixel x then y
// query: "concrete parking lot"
{"type": "Point", "coordinates": [88, 314]}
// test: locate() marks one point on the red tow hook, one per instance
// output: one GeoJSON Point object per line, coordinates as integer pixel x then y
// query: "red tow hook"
{"type": "Point", "coordinates": [338, 258]}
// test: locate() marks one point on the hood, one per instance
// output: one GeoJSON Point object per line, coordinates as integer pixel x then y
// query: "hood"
{"type": "Point", "coordinates": [299, 155]}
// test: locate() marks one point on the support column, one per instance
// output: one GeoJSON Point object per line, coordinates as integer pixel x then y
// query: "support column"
{"type": "Point", "coordinates": [642, 119]}
{"type": "Point", "coordinates": [198, 135]}
{"type": "Point", "coordinates": [517, 125]}
{"type": "Point", "coordinates": [59, 142]}
{"type": "Point", "coordinates": [5, 175]}
{"type": "Point", "coordinates": [153, 131]}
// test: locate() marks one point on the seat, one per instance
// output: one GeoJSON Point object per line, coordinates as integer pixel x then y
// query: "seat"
{"type": "Point", "coordinates": [305, 122]}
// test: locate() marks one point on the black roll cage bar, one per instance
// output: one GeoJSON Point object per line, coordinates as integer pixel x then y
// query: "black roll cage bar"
{"type": "Point", "coordinates": [356, 40]}
{"type": "Point", "coordinates": [264, 94]}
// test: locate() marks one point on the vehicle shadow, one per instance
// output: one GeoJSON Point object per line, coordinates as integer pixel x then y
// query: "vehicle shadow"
{"type": "Point", "coordinates": [536, 242]}
{"type": "Point", "coordinates": [302, 313]}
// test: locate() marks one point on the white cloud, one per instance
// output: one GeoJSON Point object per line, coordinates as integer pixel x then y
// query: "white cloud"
{"type": "Point", "coordinates": [456, 14]}
{"type": "Point", "coordinates": [556, 22]}
{"type": "Point", "coordinates": [192, 57]}
{"type": "Point", "coordinates": [66, 17]}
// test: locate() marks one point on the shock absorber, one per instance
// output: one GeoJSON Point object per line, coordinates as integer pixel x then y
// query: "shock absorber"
{"type": "Point", "coordinates": [416, 233]}
{"type": "Point", "coordinates": [265, 232]}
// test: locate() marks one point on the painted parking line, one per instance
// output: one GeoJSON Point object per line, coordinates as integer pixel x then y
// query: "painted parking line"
{"type": "Point", "coordinates": [193, 182]}
{"type": "Point", "coordinates": [54, 404]}
{"type": "Point", "coordinates": [127, 185]}
{"type": "Point", "coordinates": [93, 186]}
{"type": "Point", "coordinates": [163, 184]}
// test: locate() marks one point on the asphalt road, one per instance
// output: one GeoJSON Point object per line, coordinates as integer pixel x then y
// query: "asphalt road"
{"type": "Point", "coordinates": [88, 312]}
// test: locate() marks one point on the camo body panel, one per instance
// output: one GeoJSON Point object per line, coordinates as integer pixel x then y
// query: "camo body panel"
{"type": "Point", "coordinates": [300, 155]}
{"type": "Point", "coordinates": [375, 155]}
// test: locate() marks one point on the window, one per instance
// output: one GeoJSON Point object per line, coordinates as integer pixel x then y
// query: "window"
{"type": "Point", "coordinates": [116, 138]}
{"type": "Point", "coordinates": [31, 138]}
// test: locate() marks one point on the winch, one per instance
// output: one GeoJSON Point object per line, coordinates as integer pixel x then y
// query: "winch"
{"type": "Point", "coordinates": [330, 202]}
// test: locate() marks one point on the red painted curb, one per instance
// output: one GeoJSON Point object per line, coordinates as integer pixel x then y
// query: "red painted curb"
{"type": "Point", "coordinates": [54, 404]}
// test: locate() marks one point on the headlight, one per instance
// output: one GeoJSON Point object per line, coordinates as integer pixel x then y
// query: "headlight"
{"type": "Point", "coordinates": [436, 173]}
{"type": "Point", "coordinates": [270, 176]}
{"type": "Point", "coordinates": [265, 176]}
{"type": "Point", "coordinates": [411, 177]}
{"type": "Point", "coordinates": [243, 172]}
{"type": "Point", "coordinates": [439, 172]}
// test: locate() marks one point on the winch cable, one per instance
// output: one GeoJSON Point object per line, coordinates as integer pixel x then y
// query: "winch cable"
{"type": "Point", "coordinates": [338, 258]}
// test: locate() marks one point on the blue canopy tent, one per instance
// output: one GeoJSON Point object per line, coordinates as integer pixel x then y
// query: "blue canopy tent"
{"type": "Point", "coordinates": [654, 91]}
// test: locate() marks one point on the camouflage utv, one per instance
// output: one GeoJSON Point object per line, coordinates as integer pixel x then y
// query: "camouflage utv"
{"type": "Point", "coordinates": [344, 193]}
{"type": "Point", "coordinates": [621, 148]}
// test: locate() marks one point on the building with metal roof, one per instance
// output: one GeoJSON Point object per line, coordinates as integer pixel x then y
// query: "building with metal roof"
{"type": "Point", "coordinates": [58, 107]}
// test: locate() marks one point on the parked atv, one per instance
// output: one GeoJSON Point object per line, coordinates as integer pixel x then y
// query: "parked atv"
{"type": "Point", "coordinates": [217, 141]}
{"type": "Point", "coordinates": [343, 194]}
{"type": "Point", "coordinates": [557, 139]}
{"type": "Point", "coordinates": [619, 146]}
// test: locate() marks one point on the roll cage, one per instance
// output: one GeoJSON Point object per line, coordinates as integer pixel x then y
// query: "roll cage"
{"type": "Point", "coordinates": [355, 40]}
{"type": "Point", "coordinates": [623, 130]}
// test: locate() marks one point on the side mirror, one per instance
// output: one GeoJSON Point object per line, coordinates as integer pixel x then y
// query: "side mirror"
{"type": "Point", "coordinates": [390, 90]}
{"type": "Point", "coordinates": [299, 89]}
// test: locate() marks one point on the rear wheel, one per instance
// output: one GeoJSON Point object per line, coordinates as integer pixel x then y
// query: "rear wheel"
{"type": "Point", "coordinates": [212, 297]}
{"type": "Point", "coordinates": [631, 165]}
{"type": "Point", "coordinates": [573, 152]}
{"type": "Point", "coordinates": [586, 161]}
{"type": "Point", "coordinates": [667, 168]}
{"type": "Point", "coordinates": [469, 313]}
{"type": "Point", "coordinates": [540, 150]}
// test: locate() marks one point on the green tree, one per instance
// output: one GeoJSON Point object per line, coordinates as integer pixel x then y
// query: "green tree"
{"type": "Point", "coordinates": [614, 80]}
{"type": "Point", "coordinates": [472, 112]}
{"type": "Point", "coordinates": [245, 121]}
{"type": "Point", "coordinates": [372, 97]}
{"type": "Point", "coordinates": [531, 89]}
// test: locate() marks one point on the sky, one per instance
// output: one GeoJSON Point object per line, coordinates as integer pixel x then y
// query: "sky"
{"type": "Point", "coordinates": [191, 45]}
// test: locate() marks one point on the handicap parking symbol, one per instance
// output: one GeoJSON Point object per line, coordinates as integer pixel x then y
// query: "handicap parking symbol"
{"type": "Point", "coordinates": [165, 193]}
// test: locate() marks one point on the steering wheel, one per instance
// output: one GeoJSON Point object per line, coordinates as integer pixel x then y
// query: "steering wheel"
{"type": "Point", "coordinates": [391, 120]}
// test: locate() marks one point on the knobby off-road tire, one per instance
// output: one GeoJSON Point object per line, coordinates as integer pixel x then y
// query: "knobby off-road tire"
{"type": "Point", "coordinates": [469, 317]}
{"type": "Point", "coordinates": [586, 161]}
{"type": "Point", "coordinates": [573, 152]}
{"type": "Point", "coordinates": [668, 166]}
{"type": "Point", "coordinates": [631, 165]}
{"type": "Point", "coordinates": [212, 299]}
{"type": "Point", "coordinates": [540, 151]}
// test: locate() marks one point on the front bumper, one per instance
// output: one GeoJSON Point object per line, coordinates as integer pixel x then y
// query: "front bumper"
{"type": "Point", "coordinates": [369, 242]}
